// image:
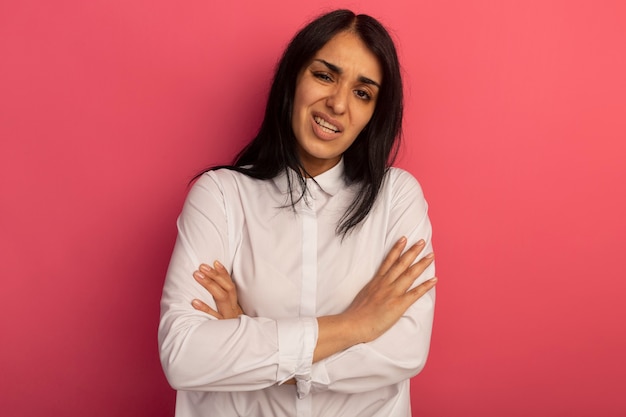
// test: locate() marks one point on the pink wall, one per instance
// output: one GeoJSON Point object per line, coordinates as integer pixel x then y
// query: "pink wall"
{"type": "Point", "coordinates": [515, 125]}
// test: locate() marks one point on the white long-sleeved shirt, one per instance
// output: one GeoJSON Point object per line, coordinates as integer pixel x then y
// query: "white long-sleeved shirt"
{"type": "Point", "coordinates": [289, 267]}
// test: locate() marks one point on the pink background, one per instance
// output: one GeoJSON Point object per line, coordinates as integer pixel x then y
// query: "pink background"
{"type": "Point", "coordinates": [515, 126]}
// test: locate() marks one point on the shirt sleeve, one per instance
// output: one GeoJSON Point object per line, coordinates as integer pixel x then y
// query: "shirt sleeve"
{"type": "Point", "coordinates": [201, 353]}
{"type": "Point", "coordinates": [401, 352]}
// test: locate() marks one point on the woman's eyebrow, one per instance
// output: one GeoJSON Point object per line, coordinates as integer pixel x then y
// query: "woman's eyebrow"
{"type": "Point", "coordinates": [335, 68]}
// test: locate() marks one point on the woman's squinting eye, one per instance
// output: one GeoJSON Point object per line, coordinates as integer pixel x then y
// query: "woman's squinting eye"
{"type": "Point", "coordinates": [326, 77]}
{"type": "Point", "coordinates": [323, 76]}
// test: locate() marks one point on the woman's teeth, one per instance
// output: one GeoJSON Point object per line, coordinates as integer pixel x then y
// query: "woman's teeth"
{"type": "Point", "coordinates": [325, 125]}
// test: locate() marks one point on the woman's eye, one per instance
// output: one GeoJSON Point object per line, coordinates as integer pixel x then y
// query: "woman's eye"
{"type": "Point", "coordinates": [323, 76]}
{"type": "Point", "coordinates": [363, 95]}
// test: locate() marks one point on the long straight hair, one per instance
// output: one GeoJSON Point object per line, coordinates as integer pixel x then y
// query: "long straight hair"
{"type": "Point", "coordinates": [273, 150]}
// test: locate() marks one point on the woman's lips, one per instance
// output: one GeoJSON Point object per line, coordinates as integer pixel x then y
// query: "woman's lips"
{"type": "Point", "coordinates": [324, 124]}
{"type": "Point", "coordinates": [325, 127]}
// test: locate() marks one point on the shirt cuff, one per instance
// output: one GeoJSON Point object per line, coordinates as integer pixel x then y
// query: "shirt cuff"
{"type": "Point", "coordinates": [319, 377]}
{"type": "Point", "coordinates": [296, 342]}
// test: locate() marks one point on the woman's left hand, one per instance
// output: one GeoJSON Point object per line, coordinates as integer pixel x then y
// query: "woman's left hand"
{"type": "Point", "coordinates": [218, 282]}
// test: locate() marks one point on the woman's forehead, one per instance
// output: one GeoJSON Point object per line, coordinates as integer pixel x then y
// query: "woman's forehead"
{"type": "Point", "coordinates": [347, 53]}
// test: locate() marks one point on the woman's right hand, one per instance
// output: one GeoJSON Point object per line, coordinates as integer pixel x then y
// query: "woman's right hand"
{"type": "Point", "coordinates": [218, 282]}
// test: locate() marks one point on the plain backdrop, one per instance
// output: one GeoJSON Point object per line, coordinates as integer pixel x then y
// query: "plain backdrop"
{"type": "Point", "coordinates": [515, 126]}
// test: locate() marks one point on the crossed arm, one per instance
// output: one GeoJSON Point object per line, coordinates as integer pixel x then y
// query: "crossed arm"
{"type": "Point", "coordinates": [392, 313]}
{"type": "Point", "coordinates": [377, 307]}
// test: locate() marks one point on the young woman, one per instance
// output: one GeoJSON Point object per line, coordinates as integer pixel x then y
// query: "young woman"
{"type": "Point", "coordinates": [320, 298]}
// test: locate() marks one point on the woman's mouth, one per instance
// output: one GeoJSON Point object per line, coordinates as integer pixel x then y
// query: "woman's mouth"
{"type": "Point", "coordinates": [326, 126]}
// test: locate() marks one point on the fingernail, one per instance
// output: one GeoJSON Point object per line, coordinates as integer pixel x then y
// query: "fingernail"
{"type": "Point", "coordinates": [430, 256]}
{"type": "Point", "coordinates": [205, 268]}
{"type": "Point", "coordinates": [433, 280]}
{"type": "Point", "coordinates": [196, 303]}
{"type": "Point", "coordinates": [199, 275]}
{"type": "Point", "coordinates": [217, 264]}
{"type": "Point", "coordinates": [420, 242]}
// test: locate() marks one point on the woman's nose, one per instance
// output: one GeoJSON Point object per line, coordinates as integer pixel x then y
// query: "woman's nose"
{"type": "Point", "coordinates": [338, 99]}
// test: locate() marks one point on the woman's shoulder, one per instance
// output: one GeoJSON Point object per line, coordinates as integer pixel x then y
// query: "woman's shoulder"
{"type": "Point", "coordinates": [401, 189]}
{"type": "Point", "coordinates": [216, 184]}
{"type": "Point", "coordinates": [231, 185]}
{"type": "Point", "coordinates": [399, 180]}
{"type": "Point", "coordinates": [226, 178]}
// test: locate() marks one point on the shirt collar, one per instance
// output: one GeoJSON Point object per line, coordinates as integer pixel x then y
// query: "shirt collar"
{"type": "Point", "coordinates": [330, 181]}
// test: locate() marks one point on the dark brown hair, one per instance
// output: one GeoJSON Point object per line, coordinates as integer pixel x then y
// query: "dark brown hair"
{"type": "Point", "coordinates": [274, 150]}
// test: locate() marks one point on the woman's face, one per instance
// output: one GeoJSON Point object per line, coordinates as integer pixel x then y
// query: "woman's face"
{"type": "Point", "coordinates": [335, 98]}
